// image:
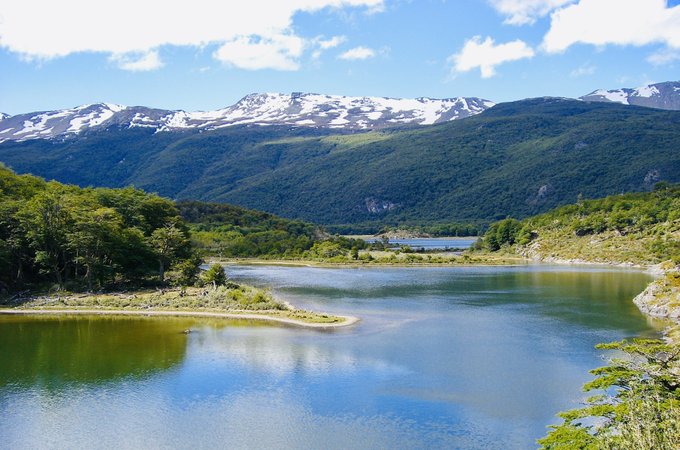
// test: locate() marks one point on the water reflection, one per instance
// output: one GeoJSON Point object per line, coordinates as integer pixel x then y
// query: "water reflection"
{"type": "Point", "coordinates": [53, 351]}
{"type": "Point", "coordinates": [592, 297]}
{"type": "Point", "coordinates": [443, 358]}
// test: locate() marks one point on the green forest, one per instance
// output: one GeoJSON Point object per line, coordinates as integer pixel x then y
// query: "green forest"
{"type": "Point", "coordinates": [227, 231]}
{"type": "Point", "coordinates": [52, 233]}
{"type": "Point", "coordinates": [519, 159]}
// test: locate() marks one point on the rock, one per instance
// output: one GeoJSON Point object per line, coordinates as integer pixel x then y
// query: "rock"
{"type": "Point", "coordinates": [660, 299]}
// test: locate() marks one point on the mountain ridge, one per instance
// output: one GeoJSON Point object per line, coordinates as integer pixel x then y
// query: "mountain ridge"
{"type": "Point", "coordinates": [665, 95]}
{"type": "Point", "coordinates": [295, 109]}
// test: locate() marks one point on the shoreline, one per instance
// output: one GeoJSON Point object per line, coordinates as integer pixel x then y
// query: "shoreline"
{"type": "Point", "coordinates": [507, 262]}
{"type": "Point", "coordinates": [654, 269]}
{"type": "Point", "coordinates": [642, 300]}
{"type": "Point", "coordinates": [348, 320]}
{"type": "Point", "coordinates": [654, 301]}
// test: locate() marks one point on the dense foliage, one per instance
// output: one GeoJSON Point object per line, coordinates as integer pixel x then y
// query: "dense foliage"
{"type": "Point", "coordinates": [436, 229]}
{"type": "Point", "coordinates": [515, 159]}
{"type": "Point", "coordinates": [229, 231]}
{"type": "Point", "coordinates": [73, 237]}
{"type": "Point", "coordinates": [648, 220]}
{"type": "Point", "coordinates": [215, 275]}
{"type": "Point", "coordinates": [232, 232]}
{"type": "Point", "coordinates": [638, 407]}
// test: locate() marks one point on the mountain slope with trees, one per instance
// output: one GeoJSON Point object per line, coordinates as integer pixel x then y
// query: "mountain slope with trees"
{"type": "Point", "coordinates": [517, 159]}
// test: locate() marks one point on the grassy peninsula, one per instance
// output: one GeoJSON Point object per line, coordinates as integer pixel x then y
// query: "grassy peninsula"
{"type": "Point", "coordinates": [230, 301]}
{"type": "Point", "coordinates": [65, 248]}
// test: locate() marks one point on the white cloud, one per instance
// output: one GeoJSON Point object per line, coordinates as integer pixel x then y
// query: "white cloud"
{"type": "Point", "coordinates": [584, 70]}
{"type": "Point", "coordinates": [357, 53]}
{"type": "Point", "coordinates": [665, 56]}
{"type": "Point", "coordinates": [254, 53]}
{"type": "Point", "coordinates": [143, 62]}
{"type": "Point", "coordinates": [322, 45]}
{"type": "Point", "coordinates": [326, 44]}
{"type": "Point", "coordinates": [486, 55]}
{"type": "Point", "coordinates": [44, 29]}
{"type": "Point", "coordinates": [619, 22]}
{"type": "Point", "coordinates": [522, 12]}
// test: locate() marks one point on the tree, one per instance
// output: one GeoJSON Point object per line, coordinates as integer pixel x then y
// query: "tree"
{"type": "Point", "coordinates": [355, 253]}
{"type": "Point", "coordinates": [168, 242]}
{"type": "Point", "coordinates": [215, 275]}
{"type": "Point", "coordinates": [639, 407]}
{"type": "Point", "coordinates": [46, 220]}
{"type": "Point", "coordinates": [185, 271]}
{"type": "Point", "coordinates": [93, 239]}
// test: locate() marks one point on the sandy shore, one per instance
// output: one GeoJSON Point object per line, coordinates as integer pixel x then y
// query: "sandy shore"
{"type": "Point", "coordinates": [348, 320]}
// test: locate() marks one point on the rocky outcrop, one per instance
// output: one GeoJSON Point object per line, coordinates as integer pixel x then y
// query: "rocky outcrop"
{"type": "Point", "coordinates": [661, 298]}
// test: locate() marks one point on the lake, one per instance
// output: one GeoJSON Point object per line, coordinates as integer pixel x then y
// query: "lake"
{"type": "Point", "coordinates": [478, 357]}
{"type": "Point", "coordinates": [444, 243]}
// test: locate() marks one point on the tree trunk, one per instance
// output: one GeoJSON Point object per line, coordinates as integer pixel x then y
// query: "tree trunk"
{"type": "Point", "coordinates": [20, 270]}
{"type": "Point", "coordinates": [88, 274]}
{"type": "Point", "coordinates": [161, 272]}
{"type": "Point", "coordinates": [57, 274]}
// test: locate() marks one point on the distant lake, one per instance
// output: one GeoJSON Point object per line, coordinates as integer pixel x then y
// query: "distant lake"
{"type": "Point", "coordinates": [431, 243]}
{"type": "Point", "coordinates": [461, 357]}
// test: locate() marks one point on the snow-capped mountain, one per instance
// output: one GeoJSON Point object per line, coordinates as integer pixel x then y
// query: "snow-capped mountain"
{"type": "Point", "coordinates": [3, 116]}
{"type": "Point", "coordinates": [660, 95]}
{"type": "Point", "coordinates": [297, 109]}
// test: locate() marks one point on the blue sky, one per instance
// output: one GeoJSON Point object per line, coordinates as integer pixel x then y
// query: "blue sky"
{"type": "Point", "coordinates": [207, 54]}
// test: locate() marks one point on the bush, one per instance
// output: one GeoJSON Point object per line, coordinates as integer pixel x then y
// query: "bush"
{"type": "Point", "coordinates": [326, 250]}
{"type": "Point", "coordinates": [502, 233]}
{"type": "Point", "coordinates": [185, 272]}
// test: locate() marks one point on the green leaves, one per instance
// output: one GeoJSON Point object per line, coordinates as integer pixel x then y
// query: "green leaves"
{"type": "Point", "coordinates": [505, 232]}
{"type": "Point", "coordinates": [215, 275]}
{"type": "Point", "coordinates": [49, 231]}
{"type": "Point", "coordinates": [639, 407]}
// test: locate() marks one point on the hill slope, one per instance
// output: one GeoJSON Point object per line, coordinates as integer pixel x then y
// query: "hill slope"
{"type": "Point", "coordinates": [636, 228]}
{"type": "Point", "coordinates": [517, 159]}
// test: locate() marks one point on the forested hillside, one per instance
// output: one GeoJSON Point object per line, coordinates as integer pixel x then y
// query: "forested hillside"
{"type": "Point", "coordinates": [638, 228]}
{"type": "Point", "coordinates": [516, 159]}
{"type": "Point", "coordinates": [77, 238]}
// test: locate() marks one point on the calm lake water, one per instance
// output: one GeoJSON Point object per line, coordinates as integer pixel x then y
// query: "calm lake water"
{"type": "Point", "coordinates": [443, 358]}
{"type": "Point", "coordinates": [432, 243]}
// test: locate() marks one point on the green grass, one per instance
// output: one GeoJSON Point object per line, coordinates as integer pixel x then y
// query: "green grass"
{"type": "Point", "coordinates": [232, 300]}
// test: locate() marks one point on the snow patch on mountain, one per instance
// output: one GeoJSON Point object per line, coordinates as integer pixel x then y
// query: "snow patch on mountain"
{"type": "Point", "coordinates": [297, 109]}
{"type": "Point", "coordinates": [660, 95]}
{"type": "Point", "coordinates": [618, 96]}
{"type": "Point", "coordinates": [647, 91]}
